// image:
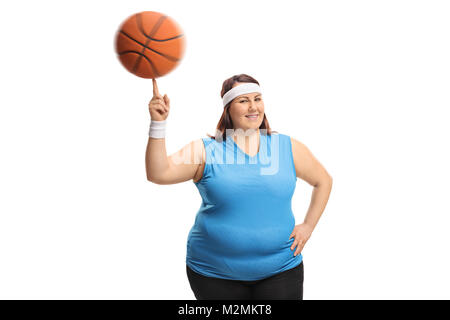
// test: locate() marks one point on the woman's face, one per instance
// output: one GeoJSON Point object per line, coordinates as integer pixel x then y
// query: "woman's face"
{"type": "Point", "coordinates": [245, 105]}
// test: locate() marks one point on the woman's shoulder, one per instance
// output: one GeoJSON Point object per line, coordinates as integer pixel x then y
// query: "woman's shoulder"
{"type": "Point", "coordinates": [288, 139]}
{"type": "Point", "coordinates": [201, 145]}
{"type": "Point", "coordinates": [206, 141]}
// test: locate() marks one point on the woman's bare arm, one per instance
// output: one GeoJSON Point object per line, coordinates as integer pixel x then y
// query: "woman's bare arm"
{"type": "Point", "coordinates": [309, 169]}
{"type": "Point", "coordinates": [179, 167]}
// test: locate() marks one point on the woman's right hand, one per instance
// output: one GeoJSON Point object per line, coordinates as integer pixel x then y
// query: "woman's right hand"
{"type": "Point", "coordinates": [158, 106]}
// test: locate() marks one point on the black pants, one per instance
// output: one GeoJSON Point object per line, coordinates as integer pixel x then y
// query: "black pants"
{"type": "Point", "coordinates": [286, 285]}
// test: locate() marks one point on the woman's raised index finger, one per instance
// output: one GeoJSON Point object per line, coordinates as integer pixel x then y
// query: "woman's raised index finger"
{"type": "Point", "coordinates": [155, 87]}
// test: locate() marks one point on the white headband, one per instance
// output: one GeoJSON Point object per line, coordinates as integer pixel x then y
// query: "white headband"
{"type": "Point", "coordinates": [247, 87]}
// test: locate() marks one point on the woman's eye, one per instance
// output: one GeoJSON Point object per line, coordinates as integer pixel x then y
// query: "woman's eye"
{"type": "Point", "coordinates": [257, 99]}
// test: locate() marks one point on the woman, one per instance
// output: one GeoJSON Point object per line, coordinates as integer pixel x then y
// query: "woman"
{"type": "Point", "coordinates": [244, 243]}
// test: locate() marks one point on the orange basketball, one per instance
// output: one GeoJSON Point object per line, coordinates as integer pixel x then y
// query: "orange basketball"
{"type": "Point", "coordinates": [150, 44]}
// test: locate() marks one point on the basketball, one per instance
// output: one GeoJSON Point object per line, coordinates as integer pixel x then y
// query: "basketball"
{"type": "Point", "coordinates": [150, 44]}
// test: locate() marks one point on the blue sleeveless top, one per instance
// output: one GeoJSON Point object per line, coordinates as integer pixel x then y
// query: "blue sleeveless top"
{"type": "Point", "coordinates": [242, 229]}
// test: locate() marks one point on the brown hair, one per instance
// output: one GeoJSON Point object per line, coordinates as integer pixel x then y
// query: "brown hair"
{"type": "Point", "coordinates": [225, 121]}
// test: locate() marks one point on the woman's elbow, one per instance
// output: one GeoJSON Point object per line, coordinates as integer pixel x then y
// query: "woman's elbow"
{"type": "Point", "coordinates": [325, 181]}
{"type": "Point", "coordinates": [155, 180]}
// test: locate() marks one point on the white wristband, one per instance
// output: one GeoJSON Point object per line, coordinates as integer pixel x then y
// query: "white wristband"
{"type": "Point", "coordinates": [157, 129]}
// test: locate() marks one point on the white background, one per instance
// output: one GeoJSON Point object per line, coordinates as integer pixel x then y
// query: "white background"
{"type": "Point", "coordinates": [364, 84]}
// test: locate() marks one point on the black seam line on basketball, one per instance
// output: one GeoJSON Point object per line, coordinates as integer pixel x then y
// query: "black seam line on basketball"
{"type": "Point", "coordinates": [140, 54]}
{"type": "Point", "coordinates": [154, 39]}
{"type": "Point", "coordinates": [138, 60]}
{"type": "Point", "coordinates": [152, 32]}
{"type": "Point", "coordinates": [162, 54]}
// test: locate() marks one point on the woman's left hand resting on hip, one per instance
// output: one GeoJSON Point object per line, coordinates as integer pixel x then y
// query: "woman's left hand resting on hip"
{"type": "Point", "coordinates": [301, 234]}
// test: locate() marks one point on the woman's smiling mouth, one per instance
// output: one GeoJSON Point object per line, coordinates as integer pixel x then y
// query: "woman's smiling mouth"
{"type": "Point", "coordinates": [252, 116]}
